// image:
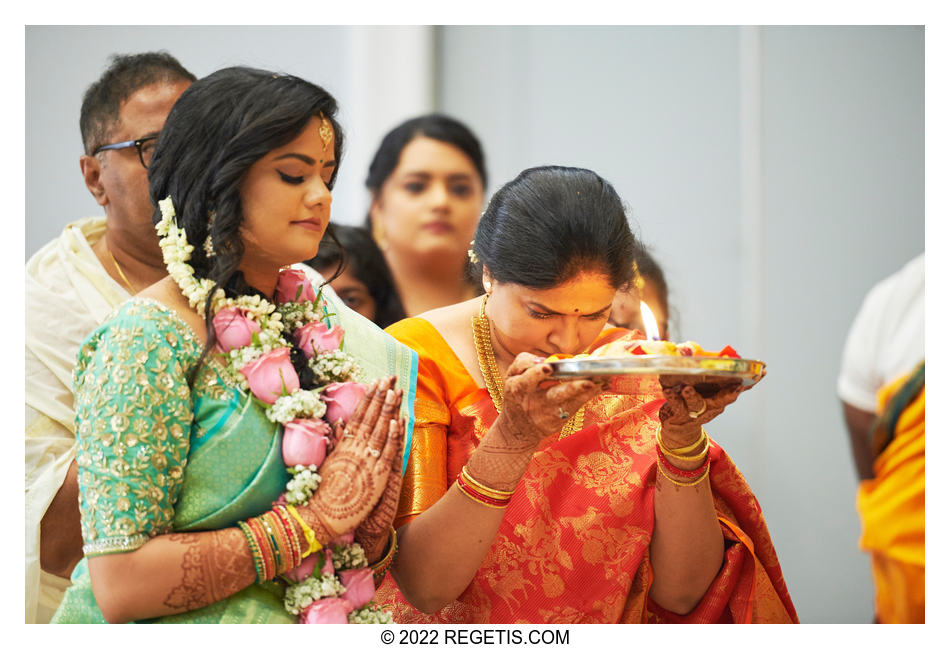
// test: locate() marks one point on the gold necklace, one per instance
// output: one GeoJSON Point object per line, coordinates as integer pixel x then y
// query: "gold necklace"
{"type": "Point", "coordinates": [119, 269]}
{"type": "Point", "coordinates": [481, 331]}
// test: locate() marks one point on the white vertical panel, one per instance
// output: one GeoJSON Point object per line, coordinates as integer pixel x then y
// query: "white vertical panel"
{"type": "Point", "coordinates": [750, 190]}
{"type": "Point", "coordinates": [391, 75]}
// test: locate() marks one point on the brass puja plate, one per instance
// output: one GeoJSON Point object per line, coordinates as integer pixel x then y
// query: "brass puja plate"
{"type": "Point", "coordinates": [745, 369]}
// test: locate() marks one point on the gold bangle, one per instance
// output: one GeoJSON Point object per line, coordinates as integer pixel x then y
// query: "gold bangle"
{"type": "Point", "coordinates": [280, 558]}
{"type": "Point", "coordinates": [268, 560]}
{"type": "Point", "coordinates": [308, 534]}
{"type": "Point", "coordinates": [380, 567]}
{"type": "Point", "coordinates": [482, 489]}
{"type": "Point", "coordinates": [703, 476]}
{"type": "Point", "coordinates": [684, 450]}
{"type": "Point", "coordinates": [255, 552]}
{"type": "Point", "coordinates": [678, 454]}
{"type": "Point", "coordinates": [286, 558]}
{"type": "Point", "coordinates": [290, 533]}
{"type": "Point", "coordinates": [495, 503]}
{"type": "Point", "coordinates": [390, 551]}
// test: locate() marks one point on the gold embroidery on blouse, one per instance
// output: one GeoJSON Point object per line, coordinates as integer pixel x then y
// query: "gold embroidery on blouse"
{"type": "Point", "coordinates": [133, 434]}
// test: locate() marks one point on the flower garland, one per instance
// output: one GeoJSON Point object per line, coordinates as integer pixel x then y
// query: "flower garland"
{"type": "Point", "coordinates": [335, 584]}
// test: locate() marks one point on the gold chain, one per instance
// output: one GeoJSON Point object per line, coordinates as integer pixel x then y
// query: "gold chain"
{"type": "Point", "coordinates": [119, 269]}
{"type": "Point", "coordinates": [481, 331]}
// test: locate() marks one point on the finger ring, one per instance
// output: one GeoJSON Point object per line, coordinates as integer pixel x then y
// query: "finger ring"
{"type": "Point", "coordinates": [562, 413]}
{"type": "Point", "coordinates": [373, 452]}
{"type": "Point", "coordinates": [694, 415]}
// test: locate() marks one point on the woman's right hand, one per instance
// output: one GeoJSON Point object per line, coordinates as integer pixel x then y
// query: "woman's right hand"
{"type": "Point", "coordinates": [355, 474]}
{"type": "Point", "coordinates": [534, 404]}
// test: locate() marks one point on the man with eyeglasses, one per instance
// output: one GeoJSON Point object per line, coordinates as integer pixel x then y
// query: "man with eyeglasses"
{"type": "Point", "coordinates": [72, 284]}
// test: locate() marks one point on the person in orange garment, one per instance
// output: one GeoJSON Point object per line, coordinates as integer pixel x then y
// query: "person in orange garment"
{"type": "Point", "coordinates": [891, 504]}
{"type": "Point", "coordinates": [885, 344]}
{"type": "Point", "coordinates": [528, 500]}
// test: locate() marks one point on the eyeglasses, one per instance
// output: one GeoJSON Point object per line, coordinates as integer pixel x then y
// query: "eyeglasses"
{"type": "Point", "coordinates": [144, 145]}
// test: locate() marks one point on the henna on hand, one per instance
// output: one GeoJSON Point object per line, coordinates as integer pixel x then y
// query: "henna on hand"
{"type": "Point", "coordinates": [215, 566]}
{"type": "Point", "coordinates": [532, 401]}
{"type": "Point", "coordinates": [687, 394]}
{"type": "Point", "coordinates": [373, 532]}
{"type": "Point", "coordinates": [355, 473]}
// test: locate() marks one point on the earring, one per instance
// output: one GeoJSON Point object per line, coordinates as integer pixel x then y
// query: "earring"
{"type": "Point", "coordinates": [487, 286]}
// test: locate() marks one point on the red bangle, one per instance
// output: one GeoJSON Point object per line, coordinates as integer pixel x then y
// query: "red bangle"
{"type": "Point", "coordinates": [466, 489]}
{"type": "Point", "coordinates": [682, 473]}
{"type": "Point", "coordinates": [291, 534]}
{"type": "Point", "coordinates": [267, 555]}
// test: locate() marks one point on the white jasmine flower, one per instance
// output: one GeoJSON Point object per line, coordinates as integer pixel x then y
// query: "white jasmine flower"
{"type": "Point", "coordinates": [370, 614]}
{"type": "Point", "coordinates": [299, 596]}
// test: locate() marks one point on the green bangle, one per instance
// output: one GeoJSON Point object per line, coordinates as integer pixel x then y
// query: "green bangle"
{"type": "Point", "coordinates": [255, 552]}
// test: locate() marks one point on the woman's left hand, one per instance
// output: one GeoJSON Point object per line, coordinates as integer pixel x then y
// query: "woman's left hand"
{"type": "Point", "coordinates": [373, 533]}
{"type": "Point", "coordinates": [692, 401]}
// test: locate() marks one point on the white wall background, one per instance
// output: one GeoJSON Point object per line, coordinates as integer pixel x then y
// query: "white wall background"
{"type": "Point", "coordinates": [777, 171]}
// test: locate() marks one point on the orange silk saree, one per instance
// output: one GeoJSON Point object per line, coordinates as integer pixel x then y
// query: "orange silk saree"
{"type": "Point", "coordinates": [574, 543]}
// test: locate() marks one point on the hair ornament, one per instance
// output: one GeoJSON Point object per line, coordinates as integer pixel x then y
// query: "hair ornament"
{"type": "Point", "coordinates": [472, 257]}
{"type": "Point", "coordinates": [326, 130]}
{"type": "Point", "coordinates": [208, 246]}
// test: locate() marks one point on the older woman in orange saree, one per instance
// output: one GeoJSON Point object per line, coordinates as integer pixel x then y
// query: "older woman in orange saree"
{"type": "Point", "coordinates": [528, 500]}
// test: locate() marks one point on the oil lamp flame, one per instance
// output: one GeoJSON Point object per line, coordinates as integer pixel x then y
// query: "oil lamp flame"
{"type": "Point", "coordinates": [649, 322]}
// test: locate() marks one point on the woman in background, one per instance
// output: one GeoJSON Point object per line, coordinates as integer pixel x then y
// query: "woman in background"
{"type": "Point", "coordinates": [364, 282]}
{"type": "Point", "coordinates": [648, 285]}
{"type": "Point", "coordinates": [427, 181]}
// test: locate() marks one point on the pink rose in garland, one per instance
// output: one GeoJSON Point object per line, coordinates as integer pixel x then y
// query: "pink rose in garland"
{"type": "Point", "coordinates": [328, 564]}
{"type": "Point", "coordinates": [329, 610]}
{"type": "Point", "coordinates": [293, 286]}
{"type": "Point", "coordinates": [359, 586]}
{"type": "Point", "coordinates": [233, 328]}
{"type": "Point", "coordinates": [271, 375]}
{"type": "Point", "coordinates": [305, 442]}
{"type": "Point", "coordinates": [305, 569]}
{"type": "Point", "coordinates": [315, 337]}
{"type": "Point", "coordinates": [342, 399]}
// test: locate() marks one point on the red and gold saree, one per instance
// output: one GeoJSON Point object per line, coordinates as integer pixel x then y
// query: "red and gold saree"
{"type": "Point", "coordinates": [574, 543]}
